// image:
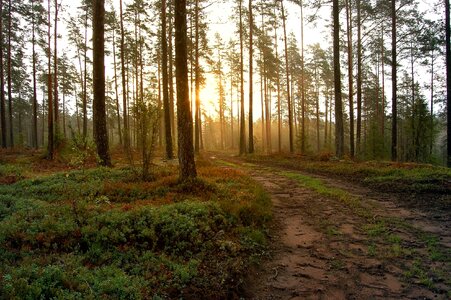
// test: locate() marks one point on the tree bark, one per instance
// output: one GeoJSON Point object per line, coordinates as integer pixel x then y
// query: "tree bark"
{"type": "Point", "coordinates": [394, 144]}
{"type": "Point", "coordinates": [98, 105]}
{"type": "Point", "coordinates": [448, 80]}
{"type": "Point", "coordinates": [10, 96]}
{"type": "Point", "coordinates": [242, 118]}
{"type": "Point", "coordinates": [50, 139]}
{"type": "Point", "coordinates": [34, 130]}
{"type": "Point", "coordinates": [164, 67]}
{"type": "Point", "coordinates": [339, 132]}
{"type": "Point", "coordinates": [350, 78]}
{"type": "Point", "coordinates": [359, 79]}
{"type": "Point", "coordinates": [2, 85]}
{"type": "Point", "coordinates": [303, 135]}
{"type": "Point", "coordinates": [55, 72]}
{"type": "Point", "coordinates": [197, 124]}
{"type": "Point", "coordinates": [290, 113]}
{"type": "Point", "coordinates": [251, 83]}
{"type": "Point", "coordinates": [85, 81]}
{"type": "Point", "coordinates": [184, 120]}
{"type": "Point", "coordinates": [116, 90]}
{"type": "Point", "coordinates": [124, 82]}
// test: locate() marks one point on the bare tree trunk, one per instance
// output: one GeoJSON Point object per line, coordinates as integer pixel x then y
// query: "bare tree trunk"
{"type": "Point", "coordinates": [184, 120]}
{"type": "Point", "coordinates": [164, 63]}
{"type": "Point", "coordinates": [124, 82]}
{"type": "Point", "coordinates": [50, 146]}
{"type": "Point", "coordinates": [431, 145]}
{"type": "Point", "coordinates": [326, 114]}
{"type": "Point", "coordinates": [279, 114]}
{"type": "Point", "coordinates": [242, 118]}
{"type": "Point", "coordinates": [85, 81]}
{"type": "Point", "coordinates": [64, 103]}
{"type": "Point", "coordinates": [34, 133]}
{"type": "Point", "coordinates": [339, 132]}
{"type": "Point", "coordinates": [55, 72]}
{"type": "Point", "coordinates": [317, 111]}
{"type": "Point", "coordinates": [290, 113]}
{"type": "Point", "coordinates": [10, 96]}
{"type": "Point", "coordinates": [160, 102]}
{"type": "Point", "coordinates": [350, 77]}
{"type": "Point", "coordinates": [251, 83]}
{"type": "Point", "coordinates": [383, 91]}
{"type": "Point", "coordinates": [2, 85]}
{"type": "Point", "coordinates": [394, 146]}
{"type": "Point", "coordinates": [116, 90]}
{"type": "Point", "coordinates": [98, 105]}
{"type": "Point", "coordinates": [303, 135]}
{"type": "Point", "coordinates": [448, 80]}
{"type": "Point", "coordinates": [359, 79]}
{"type": "Point", "coordinates": [171, 79]}
{"type": "Point", "coordinates": [231, 111]}
{"type": "Point", "coordinates": [197, 125]}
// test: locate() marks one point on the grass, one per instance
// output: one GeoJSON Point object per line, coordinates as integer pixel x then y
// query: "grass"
{"type": "Point", "coordinates": [388, 176]}
{"type": "Point", "coordinates": [317, 185]}
{"type": "Point", "coordinates": [104, 233]}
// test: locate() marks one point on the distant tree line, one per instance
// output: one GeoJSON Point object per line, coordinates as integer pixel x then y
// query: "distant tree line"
{"type": "Point", "coordinates": [363, 96]}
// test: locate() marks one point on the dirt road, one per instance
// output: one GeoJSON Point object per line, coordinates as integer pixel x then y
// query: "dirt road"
{"type": "Point", "coordinates": [322, 249]}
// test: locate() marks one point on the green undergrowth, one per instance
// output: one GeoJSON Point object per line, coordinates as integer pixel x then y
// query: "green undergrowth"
{"type": "Point", "coordinates": [387, 176]}
{"type": "Point", "coordinates": [317, 185]}
{"type": "Point", "coordinates": [103, 233]}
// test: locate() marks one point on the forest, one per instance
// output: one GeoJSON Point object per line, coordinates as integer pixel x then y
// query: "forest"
{"type": "Point", "coordinates": [199, 149]}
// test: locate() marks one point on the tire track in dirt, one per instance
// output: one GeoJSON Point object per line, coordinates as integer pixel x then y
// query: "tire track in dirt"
{"type": "Point", "coordinates": [318, 251]}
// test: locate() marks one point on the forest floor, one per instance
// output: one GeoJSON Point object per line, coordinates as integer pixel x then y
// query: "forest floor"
{"type": "Point", "coordinates": [334, 237]}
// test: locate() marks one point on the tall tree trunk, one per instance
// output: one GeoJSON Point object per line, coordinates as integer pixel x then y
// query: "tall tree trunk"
{"type": "Point", "coordinates": [64, 102]}
{"type": "Point", "coordinates": [287, 70]}
{"type": "Point", "coordinates": [359, 79]}
{"type": "Point", "coordinates": [382, 129]}
{"type": "Point", "coordinates": [116, 90]}
{"type": "Point", "coordinates": [303, 136]}
{"type": "Point", "coordinates": [251, 83]}
{"type": "Point", "coordinates": [242, 118]}
{"type": "Point", "coordinates": [160, 102]}
{"type": "Point", "coordinates": [279, 114]}
{"type": "Point", "coordinates": [164, 65]}
{"type": "Point", "coordinates": [326, 115]}
{"type": "Point", "coordinates": [431, 145]}
{"type": "Point", "coordinates": [98, 104]}
{"type": "Point", "coordinates": [43, 116]}
{"type": "Point", "coordinates": [2, 85]}
{"type": "Point", "coordinates": [55, 72]}
{"type": "Point", "coordinates": [124, 81]}
{"type": "Point", "coordinates": [197, 124]}
{"type": "Point", "coordinates": [339, 132]}
{"type": "Point", "coordinates": [350, 77]}
{"type": "Point", "coordinates": [85, 81]}
{"type": "Point", "coordinates": [414, 107]}
{"type": "Point", "coordinates": [171, 77]}
{"type": "Point", "coordinates": [10, 96]}
{"type": "Point", "coordinates": [34, 133]}
{"type": "Point", "coordinates": [184, 120]}
{"type": "Point", "coordinates": [50, 139]}
{"type": "Point", "coordinates": [394, 144]}
{"type": "Point", "coordinates": [448, 80]}
{"type": "Point", "coordinates": [232, 143]}
{"type": "Point", "coordinates": [317, 111]}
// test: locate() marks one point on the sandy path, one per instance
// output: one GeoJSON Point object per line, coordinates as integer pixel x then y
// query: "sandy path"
{"type": "Point", "coordinates": [319, 250]}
